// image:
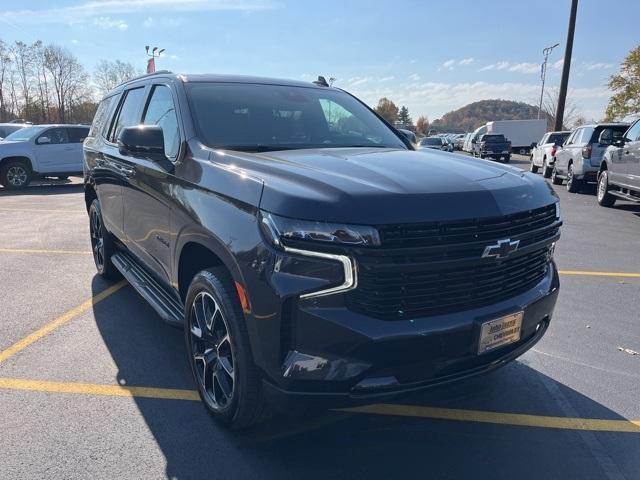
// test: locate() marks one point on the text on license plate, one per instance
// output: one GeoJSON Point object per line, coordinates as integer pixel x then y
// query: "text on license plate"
{"type": "Point", "coordinates": [500, 331]}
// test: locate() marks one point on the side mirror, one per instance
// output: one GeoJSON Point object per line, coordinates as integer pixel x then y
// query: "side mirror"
{"type": "Point", "coordinates": [146, 141]}
{"type": "Point", "coordinates": [43, 140]}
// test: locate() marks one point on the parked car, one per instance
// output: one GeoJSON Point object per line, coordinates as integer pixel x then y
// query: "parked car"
{"type": "Point", "coordinates": [493, 146]}
{"type": "Point", "coordinates": [543, 153]}
{"type": "Point", "coordinates": [619, 173]}
{"type": "Point", "coordinates": [458, 141]}
{"type": "Point", "coordinates": [437, 143]}
{"type": "Point", "coordinates": [578, 161]}
{"type": "Point", "coordinates": [307, 255]}
{"type": "Point", "coordinates": [409, 134]}
{"type": "Point", "coordinates": [8, 128]}
{"type": "Point", "coordinates": [467, 145]}
{"type": "Point", "coordinates": [41, 151]}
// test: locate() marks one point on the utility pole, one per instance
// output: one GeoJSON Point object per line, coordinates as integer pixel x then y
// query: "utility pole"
{"type": "Point", "coordinates": [543, 73]}
{"type": "Point", "coordinates": [562, 97]}
{"type": "Point", "coordinates": [151, 63]}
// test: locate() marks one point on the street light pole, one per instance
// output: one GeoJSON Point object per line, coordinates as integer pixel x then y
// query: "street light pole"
{"type": "Point", "coordinates": [562, 97]}
{"type": "Point", "coordinates": [543, 72]}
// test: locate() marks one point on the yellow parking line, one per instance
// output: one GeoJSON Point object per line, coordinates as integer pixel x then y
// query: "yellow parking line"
{"type": "Point", "coordinates": [473, 416]}
{"type": "Point", "coordinates": [58, 322]}
{"type": "Point", "coordinates": [517, 419]}
{"type": "Point", "coordinates": [599, 274]}
{"type": "Point", "coordinates": [42, 250]}
{"type": "Point", "coordinates": [97, 389]}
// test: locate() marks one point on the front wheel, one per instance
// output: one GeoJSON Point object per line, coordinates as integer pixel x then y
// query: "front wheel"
{"type": "Point", "coordinates": [605, 199]}
{"type": "Point", "coordinates": [533, 168]}
{"type": "Point", "coordinates": [15, 175]}
{"type": "Point", "coordinates": [101, 243]}
{"type": "Point", "coordinates": [219, 352]}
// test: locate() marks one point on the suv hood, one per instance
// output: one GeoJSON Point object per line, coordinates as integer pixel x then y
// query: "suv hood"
{"type": "Point", "coordinates": [378, 186]}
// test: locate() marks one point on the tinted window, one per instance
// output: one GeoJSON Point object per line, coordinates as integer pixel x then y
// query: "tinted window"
{"type": "Point", "coordinates": [493, 138]}
{"type": "Point", "coordinates": [431, 141]}
{"type": "Point", "coordinates": [77, 135]}
{"type": "Point", "coordinates": [128, 115]}
{"type": "Point", "coordinates": [612, 134]}
{"type": "Point", "coordinates": [557, 138]}
{"type": "Point", "coordinates": [271, 117]}
{"type": "Point", "coordinates": [634, 132]}
{"type": "Point", "coordinates": [101, 116]}
{"type": "Point", "coordinates": [160, 111]}
{"type": "Point", "coordinates": [56, 136]}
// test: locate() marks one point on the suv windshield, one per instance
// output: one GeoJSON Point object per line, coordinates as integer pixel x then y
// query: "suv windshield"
{"type": "Point", "coordinates": [24, 134]}
{"type": "Point", "coordinates": [493, 138]}
{"type": "Point", "coordinates": [256, 117]}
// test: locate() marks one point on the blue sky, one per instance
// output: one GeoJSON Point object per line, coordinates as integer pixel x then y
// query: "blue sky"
{"type": "Point", "coordinates": [432, 56]}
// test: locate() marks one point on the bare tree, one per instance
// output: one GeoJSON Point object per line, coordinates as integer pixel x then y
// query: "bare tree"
{"type": "Point", "coordinates": [5, 80]}
{"type": "Point", "coordinates": [67, 77]}
{"type": "Point", "coordinates": [109, 74]}
{"type": "Point", "coordinates": [42, 82]}
{"type": "Point", "coordinates": [23, 61]}
{"type": "Point", "coordinates": [572, 114]}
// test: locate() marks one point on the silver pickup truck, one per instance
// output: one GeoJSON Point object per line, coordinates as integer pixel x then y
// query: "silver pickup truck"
{"type": "Point", "coordinates": [619, 173]}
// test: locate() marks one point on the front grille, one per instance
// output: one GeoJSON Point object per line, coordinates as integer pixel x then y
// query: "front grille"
{"type": "Point", "coordinates": [436, 268]}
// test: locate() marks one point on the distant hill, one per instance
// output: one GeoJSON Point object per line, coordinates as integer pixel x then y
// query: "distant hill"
{"type": "Point", "coordinates": [470, 117]}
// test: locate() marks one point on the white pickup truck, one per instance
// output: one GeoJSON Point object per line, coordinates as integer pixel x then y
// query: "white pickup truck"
{"type": "Point", "coordinates": [543, 154]}
{"type": "Point", "coordinates": [41, 151]}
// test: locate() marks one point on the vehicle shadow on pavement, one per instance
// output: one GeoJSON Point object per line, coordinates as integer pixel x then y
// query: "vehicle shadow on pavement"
{"type": "Point", "coordinates": [356, 445]}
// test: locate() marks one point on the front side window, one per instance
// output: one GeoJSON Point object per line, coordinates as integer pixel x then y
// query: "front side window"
{"type": "Point", "coordinates": [255, 117]}
{"type": "Point", "coordinates": [56, 136]}
{"type": "Point", "coordinates": [128, 115]}
{"type": "Point", "coordinates": [77, 135]}
{"type": "Point", "coordinates": [633, 134]}
{"type": "Point", "coordinates": [160, 111]}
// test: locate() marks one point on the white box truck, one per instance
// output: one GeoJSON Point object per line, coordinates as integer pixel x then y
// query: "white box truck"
{"type": "Point", "coordinates": [521, 133]}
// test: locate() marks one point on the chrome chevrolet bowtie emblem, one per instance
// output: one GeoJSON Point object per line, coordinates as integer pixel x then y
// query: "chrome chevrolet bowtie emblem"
{"type": "Point", "coordinates": [502, 249]}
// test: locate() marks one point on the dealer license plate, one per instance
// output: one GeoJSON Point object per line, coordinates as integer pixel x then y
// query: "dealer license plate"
{"type": "Point", "coordinates": [500, 331]}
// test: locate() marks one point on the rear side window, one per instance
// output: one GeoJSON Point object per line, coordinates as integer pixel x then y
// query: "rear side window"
{"type": "Point", "coordinates": [101, 116]}
{"type": "Point", "coordinates": [161, 111]}
{"type": "Point", "coordinates": [77, 135]}
{"type": "Point", "coordinates": [613, 133]}
{"type": "Point", "coordinates": [585, 136]}
{"type": "Point", "coordinates": [128, 114]}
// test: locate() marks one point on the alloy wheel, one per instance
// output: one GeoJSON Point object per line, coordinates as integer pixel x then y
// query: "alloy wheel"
{"type": "Point", "coordinates": [17, 176]}
{"type": "Point", "coordinates": [212, 351]}
{"type": "Point", "coordinates": [602, 186]}
{"type": "Point", "coordinates": [97, 240]}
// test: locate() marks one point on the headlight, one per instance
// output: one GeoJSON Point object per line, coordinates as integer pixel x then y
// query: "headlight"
{"type": "Point", "coordinates": [558, 212]}
{"type": "Point", "coordinates": [282, 229]}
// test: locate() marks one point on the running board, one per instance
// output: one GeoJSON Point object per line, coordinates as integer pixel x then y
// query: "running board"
{"type": "Point", "coordinates": [162, 301]}
{"type": "Point", "coordinates": [625, 196]}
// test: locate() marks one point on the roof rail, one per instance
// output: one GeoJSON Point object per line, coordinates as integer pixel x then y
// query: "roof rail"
{"type": "Point", "coordinates": [144, 76]}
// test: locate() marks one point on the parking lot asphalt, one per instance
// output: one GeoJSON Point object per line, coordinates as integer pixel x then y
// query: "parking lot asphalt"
{"type": "Point", "coordinates": [94, 385]}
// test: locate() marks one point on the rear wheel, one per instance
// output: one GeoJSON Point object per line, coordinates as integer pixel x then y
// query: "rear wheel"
{"type": "Point", "coordinates": [554, 177]}
{"type": "Point", "coordinates": [546, 169]}
{"type": "Point", "coordinates": [604, 197]}
{"type": "Point", "coordinates": [573, 184]}
{"type": "Point", "coordinates": [219, 353]}
{"type": "Point", "coordinates": [15, 175]}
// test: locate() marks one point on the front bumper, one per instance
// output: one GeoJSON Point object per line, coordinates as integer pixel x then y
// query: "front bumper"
{"type": "Point", "coordinates": [337, 357]}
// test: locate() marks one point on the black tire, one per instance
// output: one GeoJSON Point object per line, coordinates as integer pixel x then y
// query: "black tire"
{"type": "Point", "coordinates": [507, 159]}
{"type": "Point", "coordinates": [533, 168]}
{"type": "Point", "coordinates": [546, 169]}
{"type": "Point", "coordinates": [573, 184]}
{"type": "Point", "coordinates": [554, 177]}
{"type": "Point", "coordinates": [15, 175]}
{"type": "Point", "coordinates": [605, 199]}
{"type": "Point", "coordinates": [102, 244]}
{"type": "Point", "coordinates": [226, 377]}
